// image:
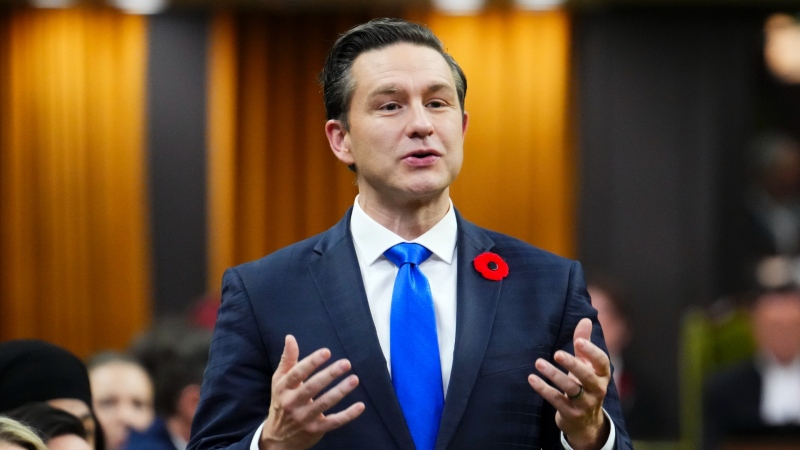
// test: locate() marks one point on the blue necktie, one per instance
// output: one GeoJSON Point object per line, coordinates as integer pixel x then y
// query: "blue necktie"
{"type": "Point", "coordinates": [416, 369]}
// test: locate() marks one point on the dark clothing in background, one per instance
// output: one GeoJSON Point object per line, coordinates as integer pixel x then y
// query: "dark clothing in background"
{"type": "Point", "coordinates": [156, 437]}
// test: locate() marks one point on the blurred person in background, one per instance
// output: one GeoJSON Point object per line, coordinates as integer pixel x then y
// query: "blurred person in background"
{"type": "Point", "coordinates": [38, 371]}
{"type": "Point", "coordinates": [17, 436]}
{"type": "Point", "coordinates": [175, 354]}
{"type": "Point", "coordinates": [123, 396]}
{"type": "Point", "coordinates": [760, 398]}
{"type": "Point", "coordinates": [642, 416]}
{"type": "Point", "coordinates": [770, 223]}
{"type": "Point", "coordinates": [58, 429]}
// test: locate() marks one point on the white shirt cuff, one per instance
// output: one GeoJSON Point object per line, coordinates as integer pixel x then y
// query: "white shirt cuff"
{"type": "Point", "coordinates": [254, 442]}
{"type": "Point", "coordinates": [612, 436]}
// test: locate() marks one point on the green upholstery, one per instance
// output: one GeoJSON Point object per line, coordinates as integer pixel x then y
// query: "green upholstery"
{"type": "Point", "coordinates": [707, 345]}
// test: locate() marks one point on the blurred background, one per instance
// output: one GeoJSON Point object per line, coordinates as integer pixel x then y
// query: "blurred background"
{"type": "Point", "coordinates": [146, 145]}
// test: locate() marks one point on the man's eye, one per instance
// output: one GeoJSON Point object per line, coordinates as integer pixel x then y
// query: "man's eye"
{"type": "Point", "coordinates": [140, 405]}
{"type": "Point", "coordinates": [436, 104]}
{"type": "Point", "coordinates": [391, 107]}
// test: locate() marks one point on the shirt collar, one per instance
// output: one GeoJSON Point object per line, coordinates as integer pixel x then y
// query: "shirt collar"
{"type": "Point", "coordinates": [372, 238]}
{"type": "Point", "coordinates": [768, 364]}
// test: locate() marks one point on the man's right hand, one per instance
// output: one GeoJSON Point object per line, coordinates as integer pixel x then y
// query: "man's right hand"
{"type": "Point", "coordinates": [296, 420]}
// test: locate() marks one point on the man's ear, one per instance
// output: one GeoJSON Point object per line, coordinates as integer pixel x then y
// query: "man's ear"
{"type": "Point", "coordinates": [339, 140]}
{"type": "Point", "coordinates": [464, 122]}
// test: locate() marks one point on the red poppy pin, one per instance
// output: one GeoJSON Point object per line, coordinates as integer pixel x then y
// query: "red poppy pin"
{"type": "Point", "coordinates": [491, 266]}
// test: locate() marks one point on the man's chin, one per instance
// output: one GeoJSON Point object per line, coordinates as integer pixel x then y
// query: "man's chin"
{"type": "Point", "coordinates": [429, 186]}
{"type": "Point", "coordinates": [426, 194]}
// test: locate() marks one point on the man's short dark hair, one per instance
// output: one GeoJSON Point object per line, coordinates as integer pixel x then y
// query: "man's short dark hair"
{"type": "Point", "coordinates": [175, 353]}
{"type": "Point", "coordinates": [338, 85]}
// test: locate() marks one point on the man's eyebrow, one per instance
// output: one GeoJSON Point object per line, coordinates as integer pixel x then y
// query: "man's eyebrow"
{"type": "Point", "coordinates": [438, 87]}
{"type": "Point", "coordinates": [384, 90]}
{"type": "Point", "coordinates": [394, 89]}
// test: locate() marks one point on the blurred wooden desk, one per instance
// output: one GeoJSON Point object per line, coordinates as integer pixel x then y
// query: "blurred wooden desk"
{"type": "Point", "coordinates": [766, 443]}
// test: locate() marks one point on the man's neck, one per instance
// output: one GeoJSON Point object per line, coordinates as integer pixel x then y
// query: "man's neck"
{"type": "Point", "coordinates": [408, 220]}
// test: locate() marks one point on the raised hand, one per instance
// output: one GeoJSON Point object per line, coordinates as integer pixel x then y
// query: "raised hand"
{"type": "Point", "coordinates": [578, 395]}
{"type": "Point", "coordinates": [296, 417]}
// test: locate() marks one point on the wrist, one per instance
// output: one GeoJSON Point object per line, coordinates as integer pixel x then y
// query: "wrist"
{"type": "Point", "coordinates": [592, 437]}
{"type": "Point", "coordinates": [268, 441]}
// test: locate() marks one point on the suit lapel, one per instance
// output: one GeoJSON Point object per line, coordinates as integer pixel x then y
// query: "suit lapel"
{"type": "Point", "coordinates": [338, 278]}
{"type": "Point", "coordinates": [476, 305]}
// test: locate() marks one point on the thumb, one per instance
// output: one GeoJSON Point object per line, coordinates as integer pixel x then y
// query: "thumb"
{"type": "Point", "coordinates": [290, 354]}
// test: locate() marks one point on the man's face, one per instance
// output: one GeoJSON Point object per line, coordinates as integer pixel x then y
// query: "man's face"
{"type": "Point", "coordinates": [776, 322]}
{"type": "Point", "coordinates": [615, 329]}
{"type": "Point", "coordinates": [407, 130]}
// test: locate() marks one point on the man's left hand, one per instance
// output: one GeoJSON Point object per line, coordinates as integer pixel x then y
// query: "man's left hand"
{"type": "Point", "coordinates": [578, 395]}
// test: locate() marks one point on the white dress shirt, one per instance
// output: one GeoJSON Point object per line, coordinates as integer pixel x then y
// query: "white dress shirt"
{"type": "Point", "coordinates": [371, 239]}
{"type": "Point", "coordinates": [177, 441]}
{"type": "Point", "coordinates": [780, 391]}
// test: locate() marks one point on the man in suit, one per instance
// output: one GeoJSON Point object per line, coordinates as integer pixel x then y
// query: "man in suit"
{"type": "Point", "coordinates": [759, 399]}
{"type": "Point", "coordinates": [506, 317]}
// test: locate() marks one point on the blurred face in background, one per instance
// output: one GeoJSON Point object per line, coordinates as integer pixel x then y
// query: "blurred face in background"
{"type": "Point", "coordinates": [79, 409]}
{"type": "Point", "coordinates": [123, 400]}
{"type": "Point", "coordinates": [68, 442]}
{"type": "Point", "coordinates": [776, 325]}
{"type": "Point", "coordinates": [9, 446]}
{"type": "Point", "coordinates": [615, 328]}
{"type": "Point", "coordinates": [783, 179]}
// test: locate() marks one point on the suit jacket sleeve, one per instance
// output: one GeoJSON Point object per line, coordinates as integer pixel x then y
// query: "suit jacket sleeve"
{"type": "Point", "coordinates": [237, 384]}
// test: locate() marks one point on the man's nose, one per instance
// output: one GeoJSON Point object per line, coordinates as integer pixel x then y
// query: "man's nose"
{"type": "Point", "coordinates": [130, 417]}
{"type": "Point", "coordinates": [419, 123]}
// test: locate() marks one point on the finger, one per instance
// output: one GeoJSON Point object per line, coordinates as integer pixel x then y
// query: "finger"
{"type": "Point", "coordinates": [549, 393]}
{"type": "Point", "coordinates": [324, 378]}
{"type": "Point", "coordinates": [583, 330]}
{"type": "Point", "coordinates": [596, 357]}
{"type": "Point", "coordinates": [339, 419]}
{"type": "Point", "coordinates": [562, 381]}
{"type": "Point", "coordinates": [329, 399]}
{"type": "Point", "coordinates": [303, 369]}
{"type": "Point", "coordinates": [580, 371]}
{"type": "Point", "coordinates": [289, 356]}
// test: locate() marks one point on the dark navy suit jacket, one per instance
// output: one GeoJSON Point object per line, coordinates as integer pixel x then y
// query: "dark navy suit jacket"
{"type": "Point", "coordinates": [156, 437]}
{"type": "Point", "coordinates": [313, 290]}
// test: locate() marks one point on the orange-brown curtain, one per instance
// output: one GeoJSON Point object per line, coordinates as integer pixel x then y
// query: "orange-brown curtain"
{"type": "Point", "coordinates": [74, 258]}
{"type": "Point", "coordinates": [273, 179]}
{"type": "Point", "coordinates": [519, 165]}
